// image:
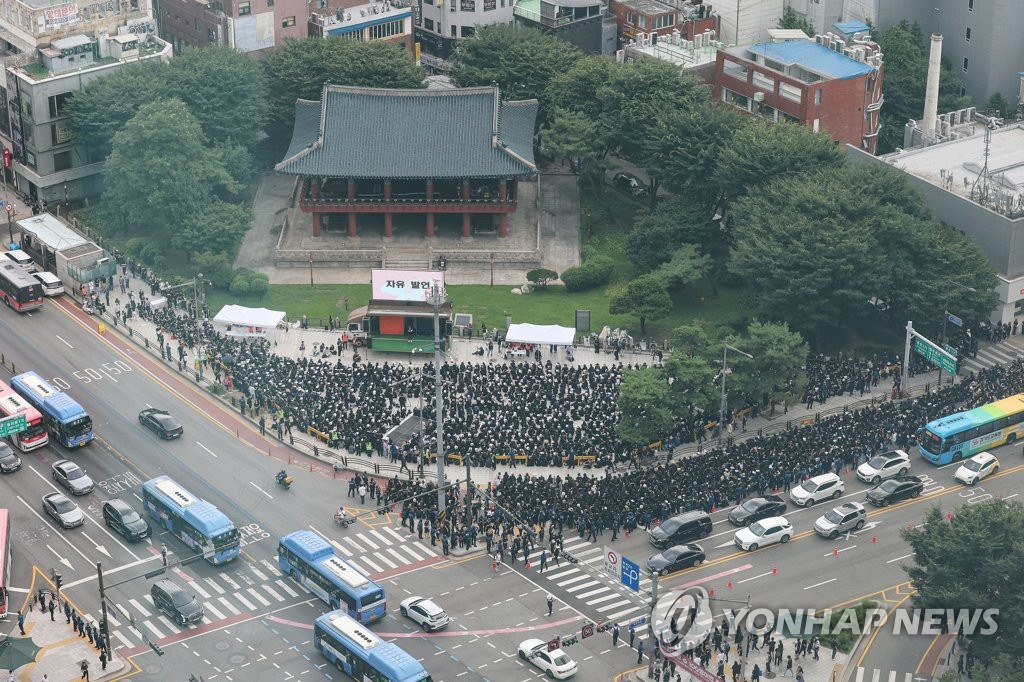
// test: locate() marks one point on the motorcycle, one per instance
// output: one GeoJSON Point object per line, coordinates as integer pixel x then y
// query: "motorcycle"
{"type": "Point", "coordinates": [284, 480]}
{"type": "Point", "coordinates": [343, 520]}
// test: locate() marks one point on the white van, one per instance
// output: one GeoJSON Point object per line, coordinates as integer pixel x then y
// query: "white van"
{"type": "Point", "coordinates": [52, 286]}
{"type": "Point", "coordinates": [20, 258]}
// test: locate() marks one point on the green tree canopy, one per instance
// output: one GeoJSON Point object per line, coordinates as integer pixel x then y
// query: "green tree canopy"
{"type": "Point", "coordinates": [973, 561]}
{"type": "Point", "coordinates": [644, 413]}
{"type": "Point", "coordinates": [693, 382]}
{"type": "Point", "coordinates": [576, 89]}
{"type": "Point", "coordinates": [223, 91]}
{"type": "Point", "coordinates": [685, 266]}
{"type": "Point", "coordinates": [763, 151]}
{"type": "Point", "coordinates": [218, 228]}
{"type": "Point", "coordinates": [572, 135]}
{"type": "Point", "coordinates": [645, 297]}
{"type": "Point", "coordinates": [778, 356]}
{"type": "Point", "coordinates": [654, 237]}
{"type": "Point", "coordinates": [790, 19]}
{"type": "Point", "coordinates": [161, 172]}
{"type": "Point", "coordinates": [299, 68]}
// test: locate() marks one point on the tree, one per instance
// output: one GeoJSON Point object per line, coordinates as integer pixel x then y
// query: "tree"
{"type": "Point", "coordinates": [644, 413]}
{"type": "Point", "coordinates": [790, 19]}
{"type": "Point", "coordinates": [644, 297]}
{"type": "Point", "coordinates": [692, 382]}
{"type": "Point", "coordinates": [763, 151]}
{"type": "Point", "coordinates": [217, 228]}
{"type": "Point", "coordinates": [685, 266]}
{"type": "Point", "coordinates": [161, 172]}
{"type": "Point", "coordinates": [778, 356]}
{"type": "Point", "coordinates": [541, 276]}
{"type": "Point", "coordinates": [223, 91]}
{"type": "Point", "coordinates": [998, 105]}
{"type": "Point", "coordinates": [973, 561]}
{"type": "Point", "coordinates": [654, 237]}
{"type": "Point", "coordinates": [106, 104]}
{"type": "Point", "coordinates": [572, 135]}
{"type": "Point", "coordinates": [298, 69]}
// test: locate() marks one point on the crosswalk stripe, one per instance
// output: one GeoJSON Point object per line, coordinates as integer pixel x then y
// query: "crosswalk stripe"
{"type": "Point", "coordinates": [229, 606]}
{"type": "Point", "coordinates": [152, 628]}
{"type": "Point", "coordinates": [423, 548]}
{"type": "Point", "coordinates": [408, 550]}
{"type": "Point", "coordinates": [613, 595]}
{"type": "Point", "coordinates": [375, 567]}
{"type": "Point", "coordinates": [213, 609]}
{"type": "Point", "coordinates": [619, 614]}
{"type": "Point", "coordinates": [270, 590]}
{"type": "Point", "coordinates": [245, 602]}
{"type": "Point", "coordinates": [124, 640]}
{"type": "Point", "coordinates": [892, 676]}
{"type": "Point", "coordinates": [216, 588]}
{"type": "Point", "coordinates": [379, 556]}
{"type": "Point", "coordinates": [258, 597]}
{"type": "Point", "coordinates": [587, 595]}
{"type": "Point", "coordinates": [139, 607]}
{"type": "Point", "coordinates": [166, 622]}
{"type": "Point", "coordinates": [365, 540]}
{"type": "Point", "coordinates": [583, 586]}
{"type": "Point", "coordinates": [570, 581]}
{"type": "Point", "coordinates": [359, 568]}
{"type": "Point", "coordinates": [559, 574]}
{"type": "Point", "coordinates": [259, 574]}
{"type": "Point", "coordinates": [352, 542]}
{"type": "Point", "coordinates": [401, 559]}
{"type": "Point", "coordinates": [113, 619]}
{"type": "Point", "coordinates": [585, 552]}
{"type": "Point", "coordinates": [341, 548]}
{"type": "Point", "coordinates": [200, 591]}
{"type": "Point", "coordinates": [394, 533]}
{"type": "Point", "coordinates": [860, 675]}
{"type": "Point", "coordinates": [384, 540]}
{"type": "Point", "coordinates": [615, 605]}
{"type": "Point", "coordinates": [876, 675]}
{"type": "Point", "coordinates": [284, 586]}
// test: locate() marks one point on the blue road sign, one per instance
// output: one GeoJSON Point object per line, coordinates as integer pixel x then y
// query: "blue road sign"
{"type": "Point", "coordinates": [954, 319]}
{"type": "Point", "coordinates": [630, 574]}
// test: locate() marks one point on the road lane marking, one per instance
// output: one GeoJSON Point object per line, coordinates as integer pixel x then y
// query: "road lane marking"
{"type": "Point", "coordinates": [229, 606]}
{"type": "Point", "coordinates": [811, 587]}
{"type": "Point", "coordinates": [900, 558]}
{"type": "Point", "coordinates": [261, 490]}
{"type": "Point", "coordinates": [838, 551]}
{"type": "Point", "coordinates": [64, 342]}
{"type": "Point", "coordinates": [755, 577]}
{"type": "Point", "coordinates": [206, 448]}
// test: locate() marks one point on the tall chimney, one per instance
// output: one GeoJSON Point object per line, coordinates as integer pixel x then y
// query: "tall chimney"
{"type": "Point", "coordinates": [931, 93]}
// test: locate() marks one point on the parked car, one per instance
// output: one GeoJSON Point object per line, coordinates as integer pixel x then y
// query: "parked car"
{"type": "Point", "coordinates": [764, 532]}
{"type": "Point", "coordinates": [176, 602]}
{"type": "Point", "coordinates": [838, 520]}
{"type": "Point", "coordinates": [9, 460]}
{"type": "Point", "coordinates": [757, 508]}
{"type": "Point", "coordinates": [894, 490]}
{"type": "Point", "coordinates": [884, 465]}
{"type": "Point", "coordinates": [676, 558]}
{"type": "Point", "coordinates": [631, 183]}
{"type": "Point", "coordinates": [556, 664]}
{"type": "Point", "coordinates": [62, 510]}
{"type": "Point", "coordinates": [424, 613]}
{"type": "Point", "coordinates": [72, 477]}
{"type": "Point", "coordinates": [680, 529]}
{"type": "Point", "coordinates": [161, 422]}
{"type": "Point", "coordinates": [976, 468]}
{"type": "Point", "coordinates": [816, 489]}
{"type": "Point", "coordinates": [120, 516]}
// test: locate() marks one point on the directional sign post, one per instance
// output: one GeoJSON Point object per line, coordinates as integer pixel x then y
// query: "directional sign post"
{"type": "Point", "coordinates": [630, 574]}
{"type": "Point", "coordinates": [954, 319]}
{"type": "Point", "coordinates": [935, 355]}
{"type": "Point", "coordinates": [15, 424]}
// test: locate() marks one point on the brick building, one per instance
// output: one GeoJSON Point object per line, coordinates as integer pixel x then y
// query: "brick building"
{"type": "Point", "coordinates": [663, 19]}
{"type": "Point", "coordinates": [827, 84]}
{"type": "Point", "coordinates": [251, 26]}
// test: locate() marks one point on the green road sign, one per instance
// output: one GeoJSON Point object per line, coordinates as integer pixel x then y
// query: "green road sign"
{"type": "Point", "coordinates": [15, 424]}
{"type": "Point", "coordinates": [951, 350]}
{"type": "Point", "coordinates": [933, 355]}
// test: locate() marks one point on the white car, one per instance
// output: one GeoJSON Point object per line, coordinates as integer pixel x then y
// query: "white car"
{"type": "Point", "coordinates": [424, 613]}
{"type": "Point", "coordinates": [556, 664]}
{"type": "Point", "coordinates": [884, 465]}
{"type": "Point", "coordinates": [977, 468]}
{"type": "Point", "coordinates": [764, 532]}
{"type": "Point", "coordinates": [816, 489]}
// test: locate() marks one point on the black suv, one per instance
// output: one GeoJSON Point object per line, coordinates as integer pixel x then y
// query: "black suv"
{"type": "Point", "coordinates": [179, 604]}
{"type": "Point", "coordinates": [120, 516]}
{"type": "Point", "coordinates": [895, 489]}
{"type": "Point", "coordinates": [681, 529]}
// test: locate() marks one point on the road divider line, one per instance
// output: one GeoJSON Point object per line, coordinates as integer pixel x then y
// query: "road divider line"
{"type": "Point", "coordinates": [206, 448]}
{"type": "Point", "coordinates": [261, 490]}
{"type": "Point", "coordinates": [755, 577]}
{"type": "Point", "coordinates": [811, 587]}
{"type": "Point", "coordinates": [900, 558]}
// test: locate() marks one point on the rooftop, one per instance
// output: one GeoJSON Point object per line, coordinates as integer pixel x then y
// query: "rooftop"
{"type": "Point", "coordinates": [956, 165]}
{"type": "Point", "coordinates": [680, 52]}
{"type": "Point", "coordinates": [51, 231]}
{"type": "Point", "coordinates": [810, 56]}
{"type": "Point", "coordinates": [851, 27]}
{"type": "Point", "coordinates": [648, 7]}
{"type": "Point", "coordinates": [360, 16]}
{"type": "Point", "coordinates": [381, 133]}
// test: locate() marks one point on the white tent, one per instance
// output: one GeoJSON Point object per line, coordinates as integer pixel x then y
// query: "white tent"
{"type": "Point", "coordinates": [237, 320]}
{"type": "Point", "coordinates": [546, 334]}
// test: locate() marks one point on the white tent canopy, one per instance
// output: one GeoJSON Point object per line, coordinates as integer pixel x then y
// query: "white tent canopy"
{"type": "Point", "coordinates": [241, 321]}
{"type": "Point", "coordinates": [547, 334]}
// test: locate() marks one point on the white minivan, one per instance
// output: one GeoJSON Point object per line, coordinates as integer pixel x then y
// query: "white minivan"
{"type": "Point", "coordinates": [52, 286]}
{"type": "Point", "coordinates": [20, 258]}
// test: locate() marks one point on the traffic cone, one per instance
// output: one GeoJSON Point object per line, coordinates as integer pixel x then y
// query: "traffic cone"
{"type": "Point", "coordinates": [527, 564]}
{"type": "Point", "coordinates": [775, 490]}
{"type": "Point", "coordinates": [835, 551]}
{"type": "Point", "coordinates": [874, 540]}
{"type": "Point", "coordinates": [729, 584]}
{"type": "Point", "coordinates": [949, 516]}
{"type": "Point", "coordinates": [711, 592]}
{"type": "Point", "coordinates": [713, 509]}
{"type": "Point", "coordinates": [775, 571]}
{"type": "Point", "coordinates": [627, 532]}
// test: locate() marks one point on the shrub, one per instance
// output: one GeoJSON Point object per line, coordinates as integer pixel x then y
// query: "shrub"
{"type": "Point", "coordinates": [541, 276]}
{"type": "Point", "coordinates": [258, 284]}
{"type": "Point", "coordinates": [240, 286]}
{"type": "Point", "coordinates": [216, 267]}
{"type": "Point", "coordinates": [591, 274]}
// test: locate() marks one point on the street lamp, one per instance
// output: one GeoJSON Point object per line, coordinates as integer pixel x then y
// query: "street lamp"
{"type": "Point", "coordinates": [725, 370]}
{"type": "Point", "coordinates": [436, 297]}
{"type": "Point", "coordinates": [945, 316]}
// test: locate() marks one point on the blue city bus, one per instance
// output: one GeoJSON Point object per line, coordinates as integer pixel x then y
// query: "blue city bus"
{"type": "Point", "coordinates": [197, 523]}
{"type": "Point", "coordinates": [963, 434]}
{"type": "Point", "coordinates": [66, 420]}
{"type": "Point", "coordinates": [362, 655]}
{"type": "Point", "coordinates": [311, 560]}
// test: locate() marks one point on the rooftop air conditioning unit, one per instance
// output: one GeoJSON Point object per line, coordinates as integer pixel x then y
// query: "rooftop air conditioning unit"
{"type": "Point", "coordinates": [758, 96]}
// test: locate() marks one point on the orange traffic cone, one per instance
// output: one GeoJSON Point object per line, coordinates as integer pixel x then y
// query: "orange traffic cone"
{"type": "Point", "coordinates": [711, 592]}
{"type": "Point", "coordinates": [835, 551]}
{"type": "Point", "coordinates": [729, 584]}
{"type": "Point", "coordinates": [713, 509]}
{"type": "Point", "coordinates": [874, 540]}
{"type": "Point", "coordinates": [527, 564]}
{"type": "Point", "coordinates": [775, 571]}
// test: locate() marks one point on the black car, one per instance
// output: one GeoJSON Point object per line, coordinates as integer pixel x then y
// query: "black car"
{"type": "Point", "coordinates": [680, 529]}
{"type": "Point", "coordinates": [757, 508]}
{"type": "Point", "coordinates": [676, 558]}
{"type": "Point", "coordinates": [9, 462]}
{"type": "Point", "coordinates": [630, 183]}
{"type": "Point", "coordinates": [120, 516]}
{"type": "Point", "coordinates": [895, 489]}
{"type": "Point", "coordinates": [179, 604]}
{"type": "Point", "coordinates": [161, 422]}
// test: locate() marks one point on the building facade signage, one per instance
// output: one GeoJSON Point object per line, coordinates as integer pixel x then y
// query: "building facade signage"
{"type": "Point", "coordinates": [61, 15]}
{"type": "Point", "coordinates": [468, 5]}
{"type": "Point", "coordinates": [76, 49]}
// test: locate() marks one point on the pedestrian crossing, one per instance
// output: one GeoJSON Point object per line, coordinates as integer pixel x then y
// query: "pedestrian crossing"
{"type": "Point", "coordinates": [383, 549]}
{"type": "Point", "coordinates": [990, 356]}
{"type": "Point", "coordinates": [878, 675]}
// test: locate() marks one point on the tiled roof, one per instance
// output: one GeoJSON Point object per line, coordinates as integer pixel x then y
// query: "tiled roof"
{"type": "Point", "coordinates": [381, 133]}
{"type": "Point", "coordinates": [812, 57]}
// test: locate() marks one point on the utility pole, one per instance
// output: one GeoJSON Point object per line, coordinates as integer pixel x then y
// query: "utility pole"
{"type": "Point", "coordinates": [104, 625]}
{"type": "Point", "coordinates": [725, 402]}
{"type": "Point", "coordinates": [436, 298]}
{"type": "Point", "coordinates": [652, 636]}
{"type": "Point", "coordinates": [946, 314]}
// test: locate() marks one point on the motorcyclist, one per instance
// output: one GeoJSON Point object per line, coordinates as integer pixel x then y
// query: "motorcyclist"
{"type": "Point", "coordinates": [341, 516]}
{"type": "Point", "coordinates": [281, 476]}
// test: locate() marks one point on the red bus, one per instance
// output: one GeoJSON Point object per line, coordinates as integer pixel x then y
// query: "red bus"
{"type": "Point", "coordinates": [18, 289]}
{"type": "Point", "coordinates": [5, 559]}
{"type": "Point", "coordinates": [35, 436]}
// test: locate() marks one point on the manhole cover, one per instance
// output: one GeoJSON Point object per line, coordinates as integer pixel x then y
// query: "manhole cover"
{"type": "Point", "coordinates": [154, 669]}
{"type": "Point", "coordinates": [237, 659]}
{"type": "Point", "coordinates": [222, 646]}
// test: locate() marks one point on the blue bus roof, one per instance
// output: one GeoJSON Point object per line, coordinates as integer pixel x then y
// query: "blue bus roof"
{"type": "Point", "coordinates": [45, 397]}
{"type": "Point", "coordinates": [201, 514]}
{"type": "Point", "coordinates": [308, 544]}
{"type": "Point", "coordinates": [64, 407]}
{"type": "Point", "coordinates": [386, 657]}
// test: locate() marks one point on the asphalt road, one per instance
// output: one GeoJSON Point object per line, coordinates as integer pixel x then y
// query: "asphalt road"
{"type": "Point", "coordinates": [258, 622]}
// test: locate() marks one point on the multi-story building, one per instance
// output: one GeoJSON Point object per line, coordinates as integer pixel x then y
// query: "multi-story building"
{"type": "Point", "coordinates": [582, 23]}
{"type": "Point", "coordinates": [439, 24]}
{"type": "Point", "coordinates": [747, 21]}
{"type": "Point", "coordinates": [827, 84]}
{"type": "Point", "coordinates": [251, 26]}
{"type": "Point", "coordinates": [391, 20]}
{"type": "Point", "coordinates": [663, 19]}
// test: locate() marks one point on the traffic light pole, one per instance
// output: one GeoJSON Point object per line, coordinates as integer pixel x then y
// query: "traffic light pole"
{"type": "Point", "coordinates": [104, 625]}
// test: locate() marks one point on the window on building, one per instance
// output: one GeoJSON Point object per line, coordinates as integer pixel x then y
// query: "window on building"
{"type": "Point", "coordinates": [967, 34]}
{"type": "Point", "coordinates": [388, 29]}
{"type": "Point", "coordinates": [455, 31]}
{"type": "Point", "coordinates": [211, 37]}
{"type": "Point", "coordinates": [61, 161]}
{"type": "Point", "coordinates": [965, 64]}
{"type": "Point", "coordinates": [428, 24]}
{"type": "Point", "coordinates": [642, 23]}
{"type": "Point", "coordinates": [631, 18]}
{"type": "Point", "coordinates": [270, 3]}
{"type": "Point", "coordinates": [734, 69]}
{"type": "Point", "coordinates": [198, 27]}
{"type": "Point", "coordinates": [288, 22]}
{"type": "Point", "coordinates": [963, 91]}
{"type": "Point", "coordinates": [664, 21]}
{"type": "Point", "coordinates": [764, 81]}
{"type": "Point", "coordinates": [59, 104]}
{"type": "Point", "coordinates": [467, 31]}
{"type": "Point", "coordinates": [244, 8]}
{"type": "Point", "coordinates": [817, 96]}
{"type": "Point", "coordinates": [790, 92]}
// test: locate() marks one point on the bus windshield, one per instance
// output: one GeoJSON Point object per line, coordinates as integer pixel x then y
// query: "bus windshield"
{"type": "Point", "coordinates": [225, 539]}
{"type": "Point", "coordinates": [80, 426]}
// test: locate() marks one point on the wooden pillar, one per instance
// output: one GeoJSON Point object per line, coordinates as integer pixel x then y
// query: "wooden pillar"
{"type": "Point", "coordinates": [431, 229]}
{"type": "Point", "coordinates": [316, 224]}
{"type": "Point", "coordinates": [351, 189]}
{"type": "Point", "coordinates": [503, 191]}
{"type": "Point", "coordinates": [314, 194]}
{"type": "Point", "coordinates": [352, 226]}
{"type": "Point", "coordinates": [503, 226]}
{"type": "Point", "coordinates": [388, 223]}
{"type": "Point", "coordinates": [467, 228]}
